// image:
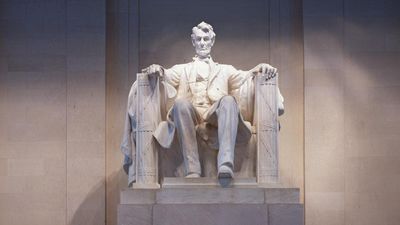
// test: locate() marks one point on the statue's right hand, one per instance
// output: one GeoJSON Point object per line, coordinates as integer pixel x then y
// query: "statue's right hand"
{"type": "Point", "coordinates": [154, 69]}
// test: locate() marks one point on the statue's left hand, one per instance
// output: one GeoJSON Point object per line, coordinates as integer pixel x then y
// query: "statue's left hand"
{"type": "Point", "coordinates": [265, 69]}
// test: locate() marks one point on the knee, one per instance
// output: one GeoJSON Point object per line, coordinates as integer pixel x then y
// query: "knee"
{"type": "Point", "coordinates": [181, 104]}
{"type": "Point", "coordinates": [228, 101]}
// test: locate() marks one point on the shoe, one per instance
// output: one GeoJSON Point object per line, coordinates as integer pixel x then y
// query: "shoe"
{"type": "Point", "coordinates": [225, 172]}
{"type": "Point", "coordinates": [192, 175]}
{"type": "Point", "coordinates": [225, 175]}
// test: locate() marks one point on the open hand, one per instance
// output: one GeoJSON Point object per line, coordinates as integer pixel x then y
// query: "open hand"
{"type": "Point", "coordinates": [265, 69]}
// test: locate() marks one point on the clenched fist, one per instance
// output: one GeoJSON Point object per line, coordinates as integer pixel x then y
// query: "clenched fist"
{"type": "Point", "coordinates": [154, 69]}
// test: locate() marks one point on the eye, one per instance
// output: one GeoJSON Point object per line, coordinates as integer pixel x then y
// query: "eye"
{"type": "Point", "coordinates": [206, 39]}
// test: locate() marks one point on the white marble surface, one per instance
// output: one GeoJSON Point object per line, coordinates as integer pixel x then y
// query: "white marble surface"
{"type": "Point", "coordinates": [223, 80]}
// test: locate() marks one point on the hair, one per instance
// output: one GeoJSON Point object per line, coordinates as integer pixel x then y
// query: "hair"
{"type": "Point", "coordinates": [206, 28]}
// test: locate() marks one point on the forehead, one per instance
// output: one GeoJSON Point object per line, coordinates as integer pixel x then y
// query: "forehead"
{"type": "Point", "coordinates": [200, 33]}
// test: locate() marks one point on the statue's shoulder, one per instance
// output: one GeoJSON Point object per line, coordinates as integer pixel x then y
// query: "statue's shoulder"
{"type": "Point", "coordinates": [226, 67]}
{"type": "Point", "coordinates": [179, 67]}
{"type": "Point", "coordinates": [132, 91]}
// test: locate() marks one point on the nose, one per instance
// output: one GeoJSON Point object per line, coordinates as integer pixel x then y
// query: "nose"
{"type": "Point", "coordinates": [202, 42]}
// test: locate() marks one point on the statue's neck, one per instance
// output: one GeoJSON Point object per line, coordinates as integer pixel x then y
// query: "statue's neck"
{"type": "Point", "coordinates": [203, 58]}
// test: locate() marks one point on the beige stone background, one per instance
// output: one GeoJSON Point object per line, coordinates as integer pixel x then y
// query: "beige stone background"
{"type": "Point", "coordinates": [66, 67]}
{"type": "Point", "coordinates": [352, 103]}
{"type": "Point", "coordinates": [52, 112]}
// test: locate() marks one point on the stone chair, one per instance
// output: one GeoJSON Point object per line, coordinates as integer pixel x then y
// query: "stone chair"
{"type": "Point", "coordinates": [258, 159]}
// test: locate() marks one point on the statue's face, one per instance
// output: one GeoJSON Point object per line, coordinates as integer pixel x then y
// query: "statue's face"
{"type": "Point", "coordinates": [203, 43]}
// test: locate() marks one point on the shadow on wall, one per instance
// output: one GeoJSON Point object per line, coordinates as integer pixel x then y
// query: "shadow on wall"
{"type": "Point", "coordinates": [116, 182]}
{"type": "Point", "coordinates": [92, 209]}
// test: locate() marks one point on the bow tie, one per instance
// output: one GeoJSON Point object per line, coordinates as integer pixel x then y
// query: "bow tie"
{"type": "Point", "coordinates": [206, 60]}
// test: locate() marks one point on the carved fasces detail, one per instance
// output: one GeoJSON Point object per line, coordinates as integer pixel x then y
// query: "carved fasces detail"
{"type": "Point", "coordinates": [148, 118]}
{"type": "Point", "coordinates": [267, 129]}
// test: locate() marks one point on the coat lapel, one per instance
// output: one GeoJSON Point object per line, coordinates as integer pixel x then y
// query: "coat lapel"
{"type": "Point", "coordinates": [188, 80]}
{"type": "Point", "coordinates": [190, 75]}
{"type": "Point", "coordinates": [215, 68]}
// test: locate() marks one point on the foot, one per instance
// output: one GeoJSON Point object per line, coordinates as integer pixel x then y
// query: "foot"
{"type": "Point", "coordinates": [225, 172]}
{"type": "Point", "coordinates": [225, 175]}
{"type": "Point", "coordinates": [192, 175]}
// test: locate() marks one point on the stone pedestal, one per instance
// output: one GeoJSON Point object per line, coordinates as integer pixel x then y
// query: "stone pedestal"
{"type": "Point", "coordinates": [179, 202]}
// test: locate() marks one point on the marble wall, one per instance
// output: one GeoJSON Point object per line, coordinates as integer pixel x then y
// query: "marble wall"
{"type": "Point", "coordinates": [352, 128]}
{"type": "Point", "coordinates": [52, 112]}
{"type": "Point", "coordinates": [121, 72]}
{"type": "Point", "coordinates": [66, 68]}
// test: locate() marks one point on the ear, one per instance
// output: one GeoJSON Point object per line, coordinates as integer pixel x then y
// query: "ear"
{"type": "Point", "coordinates": [192, 36]}
{"type": "Point", "coordinates": [213, 41]}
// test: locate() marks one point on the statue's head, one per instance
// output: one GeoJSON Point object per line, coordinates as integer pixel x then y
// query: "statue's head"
{"type": "Point", "coordinates": [203, 38]}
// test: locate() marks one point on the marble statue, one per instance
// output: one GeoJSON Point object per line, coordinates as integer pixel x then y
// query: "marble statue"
{"type": "Point", "coordinates": [207, 96]}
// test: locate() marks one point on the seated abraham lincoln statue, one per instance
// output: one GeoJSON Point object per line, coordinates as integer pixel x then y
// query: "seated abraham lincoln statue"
{"type": "Point", "coordinates": [203, 93]}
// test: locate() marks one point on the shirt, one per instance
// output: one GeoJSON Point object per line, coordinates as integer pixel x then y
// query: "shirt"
{"type": "Point", "coordinates": [200, 100]}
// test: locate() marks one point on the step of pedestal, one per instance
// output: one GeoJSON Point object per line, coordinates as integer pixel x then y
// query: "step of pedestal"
{"type": "Point", "coordinates": [211, 214]}
{"type": "Point", "coordinates": [205, 195]}
{"type": "Point", "coordinates": [179, 182]}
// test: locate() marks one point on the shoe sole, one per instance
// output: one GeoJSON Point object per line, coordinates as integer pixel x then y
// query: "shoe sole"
{"type": "Point", "coordinates": [225, 179]}
{"type": "Point", "coordinates": [225, 175]}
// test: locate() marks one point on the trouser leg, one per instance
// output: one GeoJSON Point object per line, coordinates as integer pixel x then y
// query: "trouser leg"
{"type": "Point", "coordinates": [185, 119]}
{"type": "Point", "coordinates": [228, 120]}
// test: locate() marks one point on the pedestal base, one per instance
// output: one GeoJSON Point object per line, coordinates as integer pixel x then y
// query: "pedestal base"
{"type": "Point", "coordinates": [199, 205]}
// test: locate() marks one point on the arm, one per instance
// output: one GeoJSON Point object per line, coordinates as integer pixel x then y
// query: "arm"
{"type": "Point", "coordinates": [171, 75]}
{"type": "Point", "coordinates": [170, 78]}
{"type": "Point", "coordinates": [239, 77]}
{"type": "Point", "coordinates": [242, 87]}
